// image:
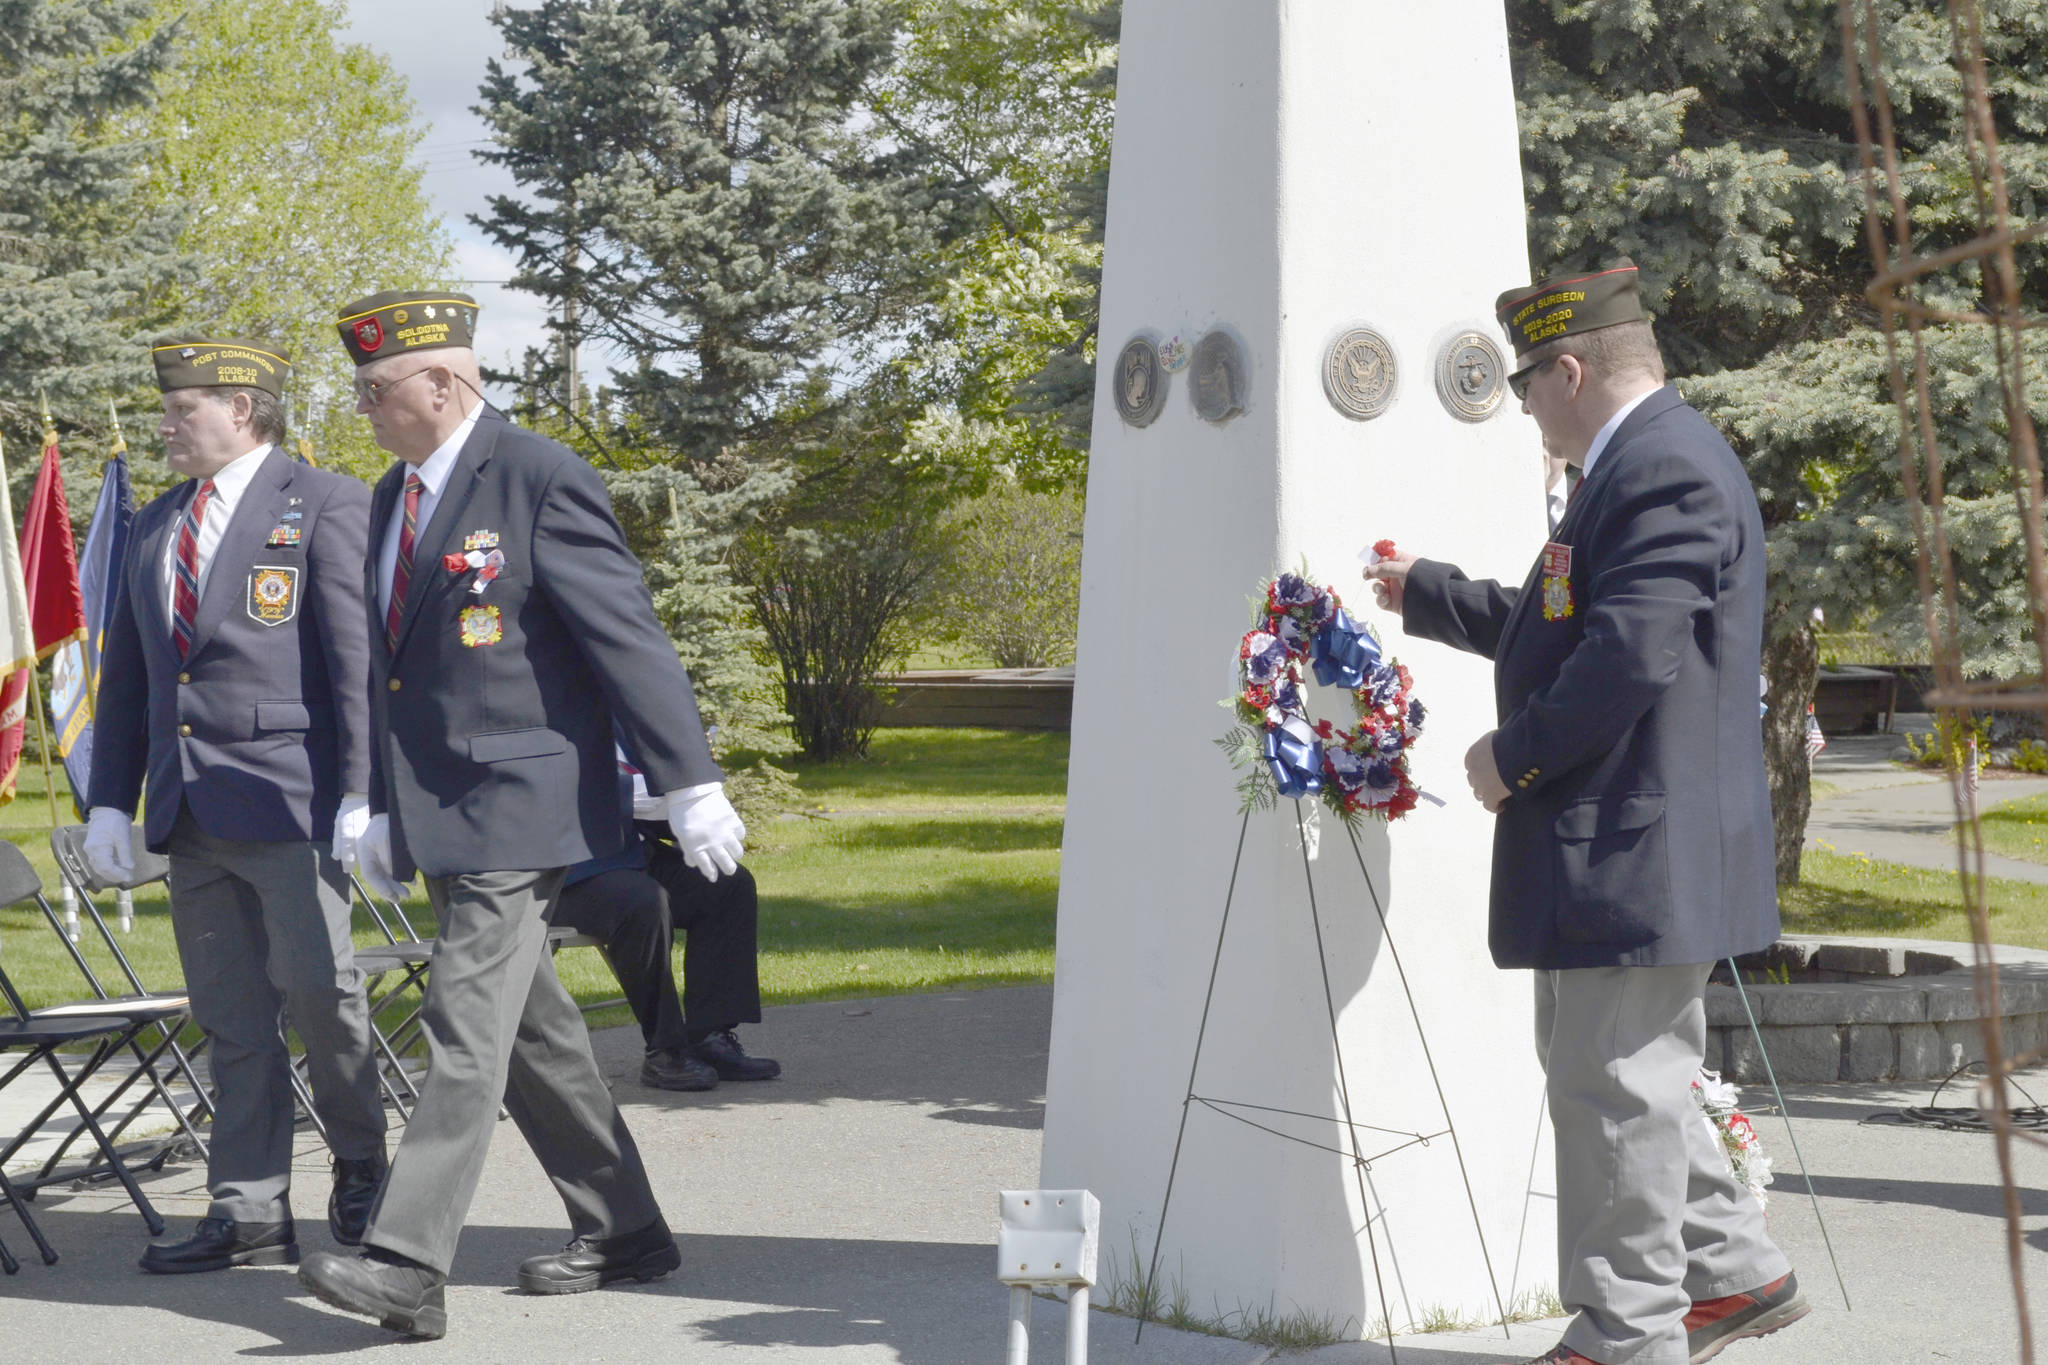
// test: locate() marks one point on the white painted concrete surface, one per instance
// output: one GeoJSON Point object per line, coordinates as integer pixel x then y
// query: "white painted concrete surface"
{"type": "Point", "coordinates": [1286, 172]}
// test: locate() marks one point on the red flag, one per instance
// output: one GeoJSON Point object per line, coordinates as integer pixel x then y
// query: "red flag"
{"type": "Point", "coordinates": [17, 651]}
{"type": "Point", "coordinates": [49, 560]}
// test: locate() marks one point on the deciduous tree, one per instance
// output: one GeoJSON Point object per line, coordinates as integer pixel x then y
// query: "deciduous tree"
{"type": "Point", "coordinates": [289, 155]}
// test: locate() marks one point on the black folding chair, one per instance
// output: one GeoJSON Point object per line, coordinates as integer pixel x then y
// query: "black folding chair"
{"type": "Point", "coordinates": [168, 1011]}
{"type": "Point", "coordinates": [404, 957]}
{"type": "Point", "coordinates": [392, 970]}
{"type": "Point", "coordinates": [38, 1034]}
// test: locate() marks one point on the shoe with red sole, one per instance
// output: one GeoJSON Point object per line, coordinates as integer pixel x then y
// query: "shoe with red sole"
{"type": "Point", "coordinates": [1713, 1323]}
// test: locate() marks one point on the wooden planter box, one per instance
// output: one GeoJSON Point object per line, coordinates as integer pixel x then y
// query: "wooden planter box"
{"type": "Point", "coordinates": [996, 698]}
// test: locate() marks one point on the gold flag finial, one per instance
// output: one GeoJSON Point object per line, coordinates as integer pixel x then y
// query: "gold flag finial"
{"type": "Point", "coordinates": [49, 425]}
{"type": "Point", "coordinates": [120, 440]}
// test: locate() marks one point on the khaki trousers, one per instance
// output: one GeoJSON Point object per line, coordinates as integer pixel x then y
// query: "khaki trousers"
{"type": "Point", "coordinates": [1649, 1216]}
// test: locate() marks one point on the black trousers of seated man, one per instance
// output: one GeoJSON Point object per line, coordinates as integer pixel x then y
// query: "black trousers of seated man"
{"type": "Point", "coordinates": [637, 913]}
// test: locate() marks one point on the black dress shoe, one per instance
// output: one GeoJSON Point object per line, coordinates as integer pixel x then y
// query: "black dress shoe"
{"type": "Point", "coordinates": [356, 1183]}
{"type": "Point", "coordinates": [723, 1052]}
{"type": "Point", "coordinates": [589, 1262]}
{"type": "Point", "coordinates": [401, 1294]}
{"type": "Point", "coordinates": [673, 1068]}
{"type": "Point", "coordinates": [222, 1242]}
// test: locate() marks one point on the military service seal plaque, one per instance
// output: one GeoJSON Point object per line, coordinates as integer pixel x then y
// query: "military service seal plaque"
{"type": "Point", "coordinates": [1139, 385]}
{"type": "Point", "coordinates": [1359, 374]}
{"type": "Point", "coordinates": [1217, 372]}
{"type": "Point", "coordinates": [1471, 377]}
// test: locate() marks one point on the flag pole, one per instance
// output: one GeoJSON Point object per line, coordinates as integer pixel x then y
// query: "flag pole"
{"type": "Point", "coordinates": [124, 899]}
{"type": "Point", "coordinates": [35, 686]}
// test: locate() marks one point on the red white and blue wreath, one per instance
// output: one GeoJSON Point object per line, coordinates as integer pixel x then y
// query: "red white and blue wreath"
{"type": "Point", "coordinates": [1362, 769]}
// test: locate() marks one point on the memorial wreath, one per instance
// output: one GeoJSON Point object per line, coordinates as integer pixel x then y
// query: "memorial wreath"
{"type": "Point", "coordinates": [1362, 769]}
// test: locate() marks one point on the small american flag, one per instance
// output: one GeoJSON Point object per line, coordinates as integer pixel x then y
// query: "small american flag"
{"type": "Point", "coordinates": [1815, 740]}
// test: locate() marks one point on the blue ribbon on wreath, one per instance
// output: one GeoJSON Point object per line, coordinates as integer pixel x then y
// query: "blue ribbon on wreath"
{"type": "Point", "coordinates": [1296, 757]}
{"type": "Point", "coordinates": [1342, 653]}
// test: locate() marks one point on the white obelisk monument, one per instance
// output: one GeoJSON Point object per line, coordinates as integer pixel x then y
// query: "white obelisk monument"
{"type": "Point", "coordinates": [1312, 207]}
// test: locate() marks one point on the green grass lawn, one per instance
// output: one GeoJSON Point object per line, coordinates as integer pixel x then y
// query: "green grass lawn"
{"type": "Point", "coordinates": [942, 872]}
{"type": "Point", "coordinates": [933, 864]}
{"type": "Point", "coordinates": [2017, 829]}
{"type": "Point", "coordinates": [1851, 894]}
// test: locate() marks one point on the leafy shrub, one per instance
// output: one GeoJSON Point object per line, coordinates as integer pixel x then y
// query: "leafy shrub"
{"type": "Point", "coordinates": [1011, 585]}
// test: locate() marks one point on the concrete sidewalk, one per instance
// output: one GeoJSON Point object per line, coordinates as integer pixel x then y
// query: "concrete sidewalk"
{"type": "Point", "coordinates": [848, 1212]}
{"type": "Point", "coordinates": [1904, 815]}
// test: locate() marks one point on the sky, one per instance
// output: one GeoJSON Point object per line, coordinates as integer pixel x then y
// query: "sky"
{"type": "Point", "coordinates": [440, 47]}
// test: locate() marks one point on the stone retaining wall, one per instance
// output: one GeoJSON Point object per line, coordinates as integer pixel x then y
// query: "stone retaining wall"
{"type": "Point", "coordinates": [1876, 1028]}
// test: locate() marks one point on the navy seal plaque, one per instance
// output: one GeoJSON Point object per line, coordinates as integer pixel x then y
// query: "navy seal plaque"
{"type": "Point", "coordinates": [1359, 374]}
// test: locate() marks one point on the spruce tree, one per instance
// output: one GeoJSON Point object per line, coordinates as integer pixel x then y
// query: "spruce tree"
{"type": "Point", "coordinates": [683, 523]}
{"type": "Point", "coordinates": [707, 195]}
{"type": "Point", "coordinates": [85, 259]}
{"type": "Point", "coordinates": [1710, 140]}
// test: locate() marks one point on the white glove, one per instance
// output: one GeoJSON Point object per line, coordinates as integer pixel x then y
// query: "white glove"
{"type": "Point", "coordinates": [373, 860]}
{"type": "Point", "coordinates": [110, 844]}
{"type": "Point", "coordinates": [707, 829]}
{"type": "Point", "coordinates": [351, 818]}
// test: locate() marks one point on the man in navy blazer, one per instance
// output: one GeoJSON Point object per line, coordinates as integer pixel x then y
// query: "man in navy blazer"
{"type": "Point", "coordinates": [1632, 842]}
{"type": "Point", "coordinates": [234, 689]}
{"type": "Point", "coordinates": [510, 632]}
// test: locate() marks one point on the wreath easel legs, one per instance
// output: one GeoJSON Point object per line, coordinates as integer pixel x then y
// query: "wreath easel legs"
{"type": "Point", "coordinates": [1360, 1162]}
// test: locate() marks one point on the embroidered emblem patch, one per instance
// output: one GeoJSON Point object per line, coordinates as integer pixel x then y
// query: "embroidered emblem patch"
{"type": "Point", "coordinates": [273, 594]}
{"type": "Point", "coordinates": [1557, 581]}
{"type": "Point", "coordinates": [283, 535]}
{"type": "Point", "coordinates": [481, 626]}
{"type": "Point", "coordinates": [369, 334]}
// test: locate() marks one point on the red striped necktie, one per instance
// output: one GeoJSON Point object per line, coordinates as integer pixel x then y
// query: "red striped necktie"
{"type": "Point", "coordinates": [401, 568]}
{"type": "Point", "coordinates": [185, 592]}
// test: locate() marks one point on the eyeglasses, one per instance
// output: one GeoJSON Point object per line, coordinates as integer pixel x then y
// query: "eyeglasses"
{"type": "Point", "coordinates": [371, 391]}
{"type": "Point", "coordinates": [1519, 381]}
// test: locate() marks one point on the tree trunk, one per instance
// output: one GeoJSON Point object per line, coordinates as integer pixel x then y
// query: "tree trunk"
{"type": "Point", "coordinates": [1791, 665]}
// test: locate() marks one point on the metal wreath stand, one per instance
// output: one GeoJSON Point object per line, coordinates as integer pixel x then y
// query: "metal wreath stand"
{"type": "Point", "coordinates": [1361, 1162]}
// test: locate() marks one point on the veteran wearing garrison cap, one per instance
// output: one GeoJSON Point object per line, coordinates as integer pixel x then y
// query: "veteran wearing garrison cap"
{"type": "Point", "coordinates": [511, 630]}
{"type": "Point", "coordinates": [1633, 845]}
{"type": "Point", "coordinates": [234, 696]}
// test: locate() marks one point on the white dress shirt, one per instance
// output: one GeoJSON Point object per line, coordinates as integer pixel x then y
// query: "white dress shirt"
{"type": "Point", "coordinates": [228, 486]}
{"type": "Point", "coordinates": [1606, 434]}
{"type": "Point", "coordinates": [433, 473]}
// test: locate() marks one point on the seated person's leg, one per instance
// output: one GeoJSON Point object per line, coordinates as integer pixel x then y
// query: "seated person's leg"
{"type": "Point", "coordinates": [721, 977]}
{"type": "Point", "coordinates": [627, 911]}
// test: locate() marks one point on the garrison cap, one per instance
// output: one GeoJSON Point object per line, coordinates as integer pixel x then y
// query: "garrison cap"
{"type": "Point", "coordinates": [214, 363]}
{"type": "Point", "coordinates": [1570, 305]}
{"type": "Point", "coordinates": [399, 321]}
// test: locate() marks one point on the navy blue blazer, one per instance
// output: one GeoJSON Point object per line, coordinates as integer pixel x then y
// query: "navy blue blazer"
{"type": "Point", "coordinates": [266, 723]}
{"type": "Point", "coordinates": [1638, 828]}
{"type": "Point", "coordinates": [494, 717]}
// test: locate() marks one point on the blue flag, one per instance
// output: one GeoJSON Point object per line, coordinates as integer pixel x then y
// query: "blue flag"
{"type": "Point", "coordinates": [75, 672]}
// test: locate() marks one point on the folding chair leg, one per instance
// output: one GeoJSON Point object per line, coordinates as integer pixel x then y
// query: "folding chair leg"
{"type": "Point", "coordinates": [9, 1195]}
{"type": "Point", "coordinates": [46, 1176]}
{"type": "Point", "coordinates": [169, 1043]}
{"type": "Point", "coordinates": [135, 1194]}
